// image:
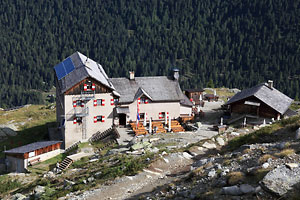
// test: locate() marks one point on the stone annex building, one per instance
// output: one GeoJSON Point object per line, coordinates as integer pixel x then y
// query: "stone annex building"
{"type": "Point", "coordinates": [87, 100]}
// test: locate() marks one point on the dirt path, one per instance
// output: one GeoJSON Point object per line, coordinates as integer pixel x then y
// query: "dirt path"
{"type": "Point", "coordinates": [161, 172]}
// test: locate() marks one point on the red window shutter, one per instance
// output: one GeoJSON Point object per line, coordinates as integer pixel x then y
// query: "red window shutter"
{"type": "Point", "coordinates": [82, 103]}
{"type": "Point", "coordinates": [85, 87]}
{"type": "Point", "coordinates": [167, 115]}
{"type": "Point", "coordinates": [103, 119]}
{"type": "Point", "coordinates": [95, 119]}
{"type": "Point", "coordinates": [112, 102]}
{"type": "Point", "coordinates": [95, 102]}
{"type": "Point", "coordinates": [146, 101]}
{"type": "Point", "coordinates": [139, 100]}
{"type": "Point", "coordinates": [93, 86]}
{"type": "Point", "coordinates": [74, 120]}
{"type": "Point", "coordinates": [160, 116]}
{"type": "Point", "coordinates": [103, 102]}
{"type": "Point", "coordinates": [74, 104]}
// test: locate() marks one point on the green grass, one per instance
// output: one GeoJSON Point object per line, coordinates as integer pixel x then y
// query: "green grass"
{"type": "Point", "coordinates": [264, 134]}
{"type": "Point", "coordinates": [7, 184]}
{"type": "Point", "coordinates": [223, 93]}
{"type": "Point", "coordinates": [47, 164]}
{"type": "Point", "coordinates": [295, 106]}
{"type": "Point", "coordinates": [36, 118]}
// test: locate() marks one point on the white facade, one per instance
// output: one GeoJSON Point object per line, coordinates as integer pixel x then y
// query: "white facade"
{"type": "Point", "coordinates": [81, 131]}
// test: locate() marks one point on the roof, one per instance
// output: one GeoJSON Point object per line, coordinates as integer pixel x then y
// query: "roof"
{"type": "Point", "coordinates": [31, 147]}
{"type": "Point", "coordinates": [290, 113]}
{"type": "Point", "coordinates": [83, 67]}
{"type": "Point", "coordinates": [157, 88]}
{"type": "Point", "coordinates": [270, 96]}
{"type": "Point", "coordinates": [186, 102]}
{"type": "Point", "coordinates": [194, 90]}
{"type": "Point", "coordinates": [122, 110]}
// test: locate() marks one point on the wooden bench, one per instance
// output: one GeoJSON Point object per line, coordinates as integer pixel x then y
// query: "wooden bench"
{"type": "Point", "coordinates": [34, 161]}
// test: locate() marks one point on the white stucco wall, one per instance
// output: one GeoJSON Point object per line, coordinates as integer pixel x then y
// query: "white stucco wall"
{"type": "Point", "coordinates": [73, 132]}
{"type": "Point", "coordinates": [46, 156]}
{"type": "Point", "coordinates": [153, 110]}
{"type": "Point", "coordinates": [185, 110]}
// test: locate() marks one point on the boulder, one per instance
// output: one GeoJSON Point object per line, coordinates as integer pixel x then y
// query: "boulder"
{"type": "Point", "coordinates": [200, 163]}
{"type": "Point", "coordinates": [38, 191]}
{"type": "Point", "coordinates": [209, 145]}
{"type": "Point", "coordinates": [220, 141]}
{"type": "Point", "coordinates": [187, 155]}
{"type": "Point", "coordinates": [281, 180]}
{"type": "Point", "coordinates": [232, 190]}
{"type": "Point", "coordinates": [265, 165]}
{"type": "Point", "coordinates": [297, 136]}
{"type": "Point", "coordinates": [196, 150]}
{"type": "Point", "coordinates": [18, 196]}
{"type": "Point", "coordinates": [291, 165]}
{"type": "Point", "coordinates": [212, 173]}
{"type": "Point", "coordinates": [234, 134]}
{"type": "Point", "coordinates": [91, 179]}
{"type": "Point", "coordinates": [246, 188]}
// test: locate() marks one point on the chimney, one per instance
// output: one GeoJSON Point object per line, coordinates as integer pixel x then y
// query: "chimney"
{"type": "Point", "coordinates": [270, 84]}
{"type": "Point", "coordinates": [131, 75]}
{"type": "Point", "coordinates": [176, 74]}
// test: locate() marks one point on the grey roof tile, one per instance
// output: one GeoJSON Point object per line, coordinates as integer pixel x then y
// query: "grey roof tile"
{"type": "Point", "coordinates": [159, 88]}
{"type": "Point", "coordinates": [84, 67]}
{"type": "Point", "coordinates": [31, 147]}
{"type": "Point", "coordinates": [270, 96]}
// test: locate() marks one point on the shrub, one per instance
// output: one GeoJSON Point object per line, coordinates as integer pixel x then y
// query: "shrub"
{"type": "Point", "coordinates": [235, 177]}
{"type": "Point", "coordinates": [265, 158]}
{"type": "Point", "coordinates": [285, 152]}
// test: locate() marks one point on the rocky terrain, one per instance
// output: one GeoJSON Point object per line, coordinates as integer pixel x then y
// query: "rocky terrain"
{"type": "Point", "coordinates": [253, 162]}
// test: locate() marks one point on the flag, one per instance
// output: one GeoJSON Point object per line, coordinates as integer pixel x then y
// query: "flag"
{"type": "Point", "coordinates": [138, 113]}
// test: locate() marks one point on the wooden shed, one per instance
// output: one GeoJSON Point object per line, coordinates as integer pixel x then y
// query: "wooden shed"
{"type": "Point", "coordinates": [19, 158]}
{"type": "Point", "coordinates": [262, 100]}
{"type": "Point", "coordinates": [196, 95]}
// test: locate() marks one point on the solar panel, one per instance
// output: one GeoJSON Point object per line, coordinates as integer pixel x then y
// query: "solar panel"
{"type": "Point", "coordinates": [60, 71]}
{"type": "Point", "coordinates": [68, 65]}
{"type": "Point", "coordinates": [64, 68]}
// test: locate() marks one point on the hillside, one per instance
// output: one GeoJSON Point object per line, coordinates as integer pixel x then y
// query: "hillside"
{"type": "Point", "coordinates": [214, 43]}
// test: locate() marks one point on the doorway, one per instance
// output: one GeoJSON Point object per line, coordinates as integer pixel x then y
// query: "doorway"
{"type": "Point", "coordinates": [122, 119]}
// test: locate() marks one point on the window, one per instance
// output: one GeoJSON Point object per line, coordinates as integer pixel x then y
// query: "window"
{"type": "Point", "coordinates": [99, 118]}
{"type": "Point", "coordinates": [31, 154]}
{"type": "Point", "coordinates": [144, 100]}
{"type": "Point", "coordinates": [161, 115]}
{"type": "Point", "coordinates": [142, 116]}
{"type": "Point", "coordinates": [77, 120]}
{"type": "Point", "coordinates": [99, 102]}
{"type": "Point", "coordinates": [78, 103]}
{"type": "Point", "coordinates": [114, 101]}
{"type": "Point", "coordinates": [89, 86]}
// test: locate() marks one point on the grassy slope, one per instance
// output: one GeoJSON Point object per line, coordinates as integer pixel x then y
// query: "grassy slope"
{"type": "Point", "coordinates": [35, 119]}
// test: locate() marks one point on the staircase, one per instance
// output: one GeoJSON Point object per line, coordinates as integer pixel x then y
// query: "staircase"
{"type": "Point", "coordinates": [65, 163]}
{"type": "Point", "coordinates": [138, 129]}
{"type": "Point", "coordinates": [160, 127]}
{"type": "Point", "coordinates": [176, 127]}
{"type": "Point", "coordinates": [109, 134]}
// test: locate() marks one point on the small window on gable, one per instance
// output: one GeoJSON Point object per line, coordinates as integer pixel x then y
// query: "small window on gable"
{"type": "Point", "coordinates": [144, 100]}
{"type": "Point", "coordinates": [89, 86]}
